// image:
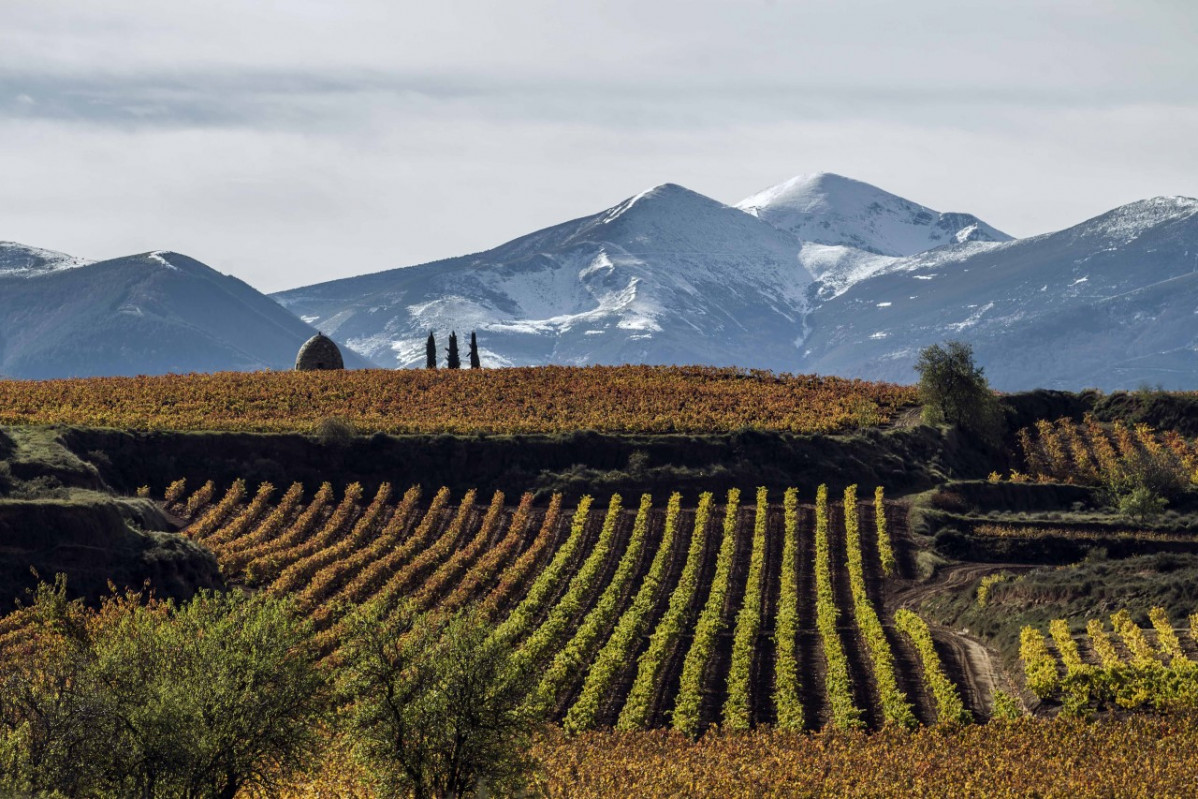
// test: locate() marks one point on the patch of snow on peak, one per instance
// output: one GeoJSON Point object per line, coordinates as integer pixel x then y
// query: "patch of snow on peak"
{"type": "Point", "coordinates": [1128, 222]}
{"type": "Point", "coordinates": [622, 208]}
{"type": "Point", "coordinates": [19, 260]}
{"type": "Point", "coordinates": [160, 257]}
{"type": "Point", "coordinates": [830, 209]}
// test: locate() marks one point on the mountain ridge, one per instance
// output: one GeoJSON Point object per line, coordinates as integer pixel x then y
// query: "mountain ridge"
{"type": "Point", "coordinates": [665, 276]}
{"type": "Point", "coordinates": [829, 209]}
{"type": "Point", "coordinates": [149, 313]}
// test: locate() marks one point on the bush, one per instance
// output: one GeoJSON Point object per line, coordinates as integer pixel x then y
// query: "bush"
{"type": "Point", "coordinates": [1140, 503]}
{"type": "Point", "coordinates": [435, 704]}
{"type": "Point", "coordinates": [335, 431]}
{"type": "Point", "coordinates": [146, 698]}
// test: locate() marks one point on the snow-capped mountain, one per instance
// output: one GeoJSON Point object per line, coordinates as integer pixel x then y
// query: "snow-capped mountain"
{"type": "Point", "coordinates": [670, 276]}
{"type": "Point", "coordinates": [145, 314]}
{"type": "Point", "coordinates": [1109, 303]}
{"type": "Point", "coordinates": [18, 260]}
{"type": "Point", "coordinates": [667, 276]}
{"type": "Point", "coordinates": [828, 209]}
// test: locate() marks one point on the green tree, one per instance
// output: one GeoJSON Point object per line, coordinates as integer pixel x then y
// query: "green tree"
{"type": "Point", "coordinates": [55, 727]}
{"type": "Point", "coordinates": [434, 705]}
{"type": "Point", "coordinates": [475, 363]}
{"type": "Point", "coordinates": [453, 360]}
{"type": "Point", "coordinates": [954, 391]}
{"type": "Point", "coordinates": [1140, 503]}
{"type": "Point", "coordinates": [152, 699]}
{"type": "Point", "coordinates": [430, 352]}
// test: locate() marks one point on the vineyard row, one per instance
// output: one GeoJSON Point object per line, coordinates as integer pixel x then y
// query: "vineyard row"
{"type": "Point", "coordinates": [654, 615]}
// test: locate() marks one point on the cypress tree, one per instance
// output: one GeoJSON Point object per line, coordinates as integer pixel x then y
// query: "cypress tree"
{"type": "Point", "coordinates": [453, 361]}
{"type": "Point", "coordinates": [475, 363]}
{"type": "Point", "coordinates": [430, 352]}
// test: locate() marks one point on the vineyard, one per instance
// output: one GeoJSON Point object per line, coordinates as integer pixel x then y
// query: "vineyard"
{"type": "Point", "coordinates": [550, 399]}
{"type": "Point", "coordinates": [1092, 453]}
{"type": "Point", "coordinates": [1141, 756]}
{"type": "Point", "coordinates": [634, 614]}
{"type": "Point", "coordinates": [1125, 667]}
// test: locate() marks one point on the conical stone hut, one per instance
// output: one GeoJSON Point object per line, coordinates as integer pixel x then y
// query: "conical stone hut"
{"type": "Point", "coordinates": [318, 352]}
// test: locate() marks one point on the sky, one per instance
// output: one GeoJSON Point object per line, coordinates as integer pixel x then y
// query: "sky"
{"type": "Point", "coordinates": [290, 143]}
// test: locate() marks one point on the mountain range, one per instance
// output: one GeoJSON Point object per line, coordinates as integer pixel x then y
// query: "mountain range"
{"type": "Point", "coordinates": [821, 273]}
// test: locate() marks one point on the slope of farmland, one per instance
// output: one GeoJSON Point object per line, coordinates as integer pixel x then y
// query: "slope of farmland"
{"type": "Point", "coordinates": [580, 572]}
{"type": "Point", "coordinates": [637, 399]}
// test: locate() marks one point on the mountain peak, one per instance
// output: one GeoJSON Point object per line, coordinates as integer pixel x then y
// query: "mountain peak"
{"type": "Point", "coordinates": [670, 194]}
{"type": "Point", "coordinates": [826, 208]}
{"type": "Point", "coordinates": [1128, 221]}
{"type": "Point", "coordinates": [25, 261]}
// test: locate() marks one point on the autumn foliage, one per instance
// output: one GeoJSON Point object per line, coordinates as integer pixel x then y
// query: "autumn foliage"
{"type": "Point", "coordinates": [549, 399]}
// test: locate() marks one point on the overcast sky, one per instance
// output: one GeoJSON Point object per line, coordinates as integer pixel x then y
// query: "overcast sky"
{"type": "Point", "coordinates": [293, 142]}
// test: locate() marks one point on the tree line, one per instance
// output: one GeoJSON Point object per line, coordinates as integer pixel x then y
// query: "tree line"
{"type": "Point", "coordinates": [452, 359]}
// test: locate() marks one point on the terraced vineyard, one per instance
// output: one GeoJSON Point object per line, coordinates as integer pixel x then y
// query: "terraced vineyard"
{"type": "Point", "coordinates": [630, 612]}
{"type": "Point", "coordinates": [1125, 666]}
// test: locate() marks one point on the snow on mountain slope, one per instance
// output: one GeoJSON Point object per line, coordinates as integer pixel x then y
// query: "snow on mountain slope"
{"type": "Point", "coordinates": [19, 260]}
{"type": "Point", "coordinates": [667, 276]}
{"type": "Point", "coordinates": [824, 208]}
{"type": "Point", "coordinates": [1111, 303]}
{"type": "Point", "coordinates": [144, 314]}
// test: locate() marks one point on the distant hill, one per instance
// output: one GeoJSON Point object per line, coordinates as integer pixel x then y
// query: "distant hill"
{"type": "Point", "coordinates": [152, 313]}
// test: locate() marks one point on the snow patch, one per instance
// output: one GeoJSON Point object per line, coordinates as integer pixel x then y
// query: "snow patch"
{"type": "Point", "coordinates": [972, 319]}
{"type": "Point", "coordinates": [157, 255]}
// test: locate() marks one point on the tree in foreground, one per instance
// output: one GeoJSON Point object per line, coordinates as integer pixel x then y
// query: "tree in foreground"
{"type": "Point", "coordinates": [430, 352]}
{"type": "Point", "coordinates": [954, 391]}
{"type": "Point", "coordinates": [475, 363]}
{"type": "Point", "coordinates": [144, 698]}
{"type": "Point", "coordinates": [453, 360]}
{"type": "Point", "coordinates": [434, 707]}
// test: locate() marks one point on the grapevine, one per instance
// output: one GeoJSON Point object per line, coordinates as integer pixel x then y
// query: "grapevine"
{"type": "Point", "coordinates": [895, 707]}
{"type": "Point", "coordinates": [520, 621]}
{"type": "Point", "coordinates": [838, 684]}
{"type": "Point", "coordinates": [950, 709]}
{"type": "Point", "coordinates": [707, 628]}
{"type": "Point", "coordinates": [577, 653]}
{"type": "Point", "coordinates": [786, 627]}
{"type": "Point", "coordinates": [557, 624]}
{"type": "Point", "coordinates": [635, 713]}
{"type": "Point", "coordinates": [748, 623]}
{"type": "Point", "coordinates": [614, 655]}
{"type": "Point", "coordinates": [885, 550]}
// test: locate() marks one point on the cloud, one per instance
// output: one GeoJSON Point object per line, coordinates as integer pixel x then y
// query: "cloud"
{"type": "Point", "coordinates": [291, 143]}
